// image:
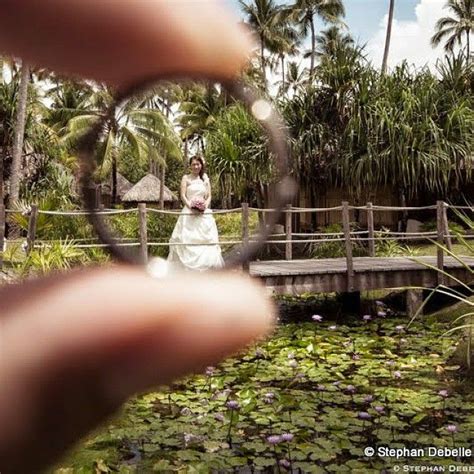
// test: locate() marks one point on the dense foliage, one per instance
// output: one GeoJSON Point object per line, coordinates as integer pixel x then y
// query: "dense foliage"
{"type": "Point", "coordinates": [312, 397]}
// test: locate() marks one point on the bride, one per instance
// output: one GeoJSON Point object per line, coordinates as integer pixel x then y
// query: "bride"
{"type": "Point", "coordinates": [196, 224]}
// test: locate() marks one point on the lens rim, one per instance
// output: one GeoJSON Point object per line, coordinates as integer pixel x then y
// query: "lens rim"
{"type": "Point", "coordinates": [272, 124]}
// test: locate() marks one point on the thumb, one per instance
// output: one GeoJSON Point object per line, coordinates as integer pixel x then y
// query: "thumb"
{"type": "Point", "coordinates": [79, 346]}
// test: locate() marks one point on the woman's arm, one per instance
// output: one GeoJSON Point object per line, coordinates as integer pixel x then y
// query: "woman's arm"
{"type": "Point", "coordinates": [183, 192]}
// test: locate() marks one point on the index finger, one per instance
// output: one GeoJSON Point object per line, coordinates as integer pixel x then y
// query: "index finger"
{"type": "Point", "coordinates": [123, 42]}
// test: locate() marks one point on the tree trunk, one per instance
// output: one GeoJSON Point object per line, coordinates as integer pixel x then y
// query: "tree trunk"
{"type": "Point", "coordinates": [186, 151]}
{"type": "Point", "coordinates": [404, 215]}
{"type": "Point", "coordinates": [114, 180]}
{"type": "Point", "coordinates": [282, 57]}
{"type": "Point", "coordinates": [2, 184]}
{"type": "Point", "coordinates": [18, 135]}
{"type": "Point", "coordinates": [468, 34]}
{"type": "Point", "coordinates": [262, 59]}
{"type": "Point", "coordinates": [388, 37]}
{"type": "Point", "coordinates": [313, 46]}
{"type": "Point", "coordinates": [162, 187]}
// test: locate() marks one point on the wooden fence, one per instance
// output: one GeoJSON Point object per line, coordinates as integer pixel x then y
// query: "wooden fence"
{"type": "Point", "coordinates": [289, 238]}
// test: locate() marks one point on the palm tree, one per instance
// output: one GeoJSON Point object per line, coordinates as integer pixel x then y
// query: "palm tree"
{"type": "Point", "coordinates": [199, 107]}
{"type": "Point", "coordinates": [388, 36]}
{"type": "Point", "coordinates": [140, 133]}
{"type": "Point", "coordinates": [19, 133]}
{"type": "Point", "coordinates": [453, 28]}
{"type": "Point", "coordinates": [38, 141]}
{"type": "Point", "coordinates": [294, 78]}
{"type": "Point", "coordinates": [304, 12]}
{"type": "Point", "coordinates": [68, 100]}
{"type": "Point", "coordinates": [330, 41]}
{"type": "Point", "coordinates": [263, 17]}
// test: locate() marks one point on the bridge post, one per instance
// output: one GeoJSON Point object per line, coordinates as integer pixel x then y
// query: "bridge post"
{"type": "Point", "coordinates": [288, 228]}
{"type": "Point", "coordinates": [440, 240]}
{"type": "Point", "coordinates": [370, 229]}
{"type": "Point", "coordinates": [245, 230]}
{"type": "Point", "coordinates": [2, 233]}
{"type": "Point", "coordinates": [142, 218]}
{"type": "Point", "coordinates": [447, 238]}
{"type": "Point", "coordinates": [31, 235]}
{"type": "Point", "coordinates": [347, 240]}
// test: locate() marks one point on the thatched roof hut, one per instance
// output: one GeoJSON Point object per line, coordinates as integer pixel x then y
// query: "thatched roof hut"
{"type": "Point", "coordinates": [148, 190]}
{"type": "Point", "coordinates": [123, 186]}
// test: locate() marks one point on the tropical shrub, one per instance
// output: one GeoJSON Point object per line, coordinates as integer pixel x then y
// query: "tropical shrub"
{"type": "Point", "coordinates": [56, 256]}
{"type": "Point", "coordinates": [336, 248]}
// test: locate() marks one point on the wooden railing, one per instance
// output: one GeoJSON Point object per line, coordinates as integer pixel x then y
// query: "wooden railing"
{"type": "Point", "coordinates": [371, 235]}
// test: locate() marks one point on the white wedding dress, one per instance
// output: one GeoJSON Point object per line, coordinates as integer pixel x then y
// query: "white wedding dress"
{"type": "Point", "coordinates": [198, 228]}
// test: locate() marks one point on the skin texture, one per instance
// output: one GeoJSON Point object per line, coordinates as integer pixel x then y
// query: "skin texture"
{"type": "Point", "coordinates": [123, 41]}
{"type": "Point", "coordinates": [74, 346]}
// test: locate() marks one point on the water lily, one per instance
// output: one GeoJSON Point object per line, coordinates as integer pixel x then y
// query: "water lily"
{"type": "Point", "coordinates": [381, 314]}
{"type": "Point", "coordinates": [210, 371]}
{"type": "Point", "coordinates": [291, 355]}
{"type": "Point", "coordinates": [190, 438]}
{"type": "Point", "coordinates": [368, 398]}
{"type": "Point", "coordinates": [233, 405]}
{"type": "Point", "coordinates": [293, 364]}
{"type": "Point", "coordinates": [443, 393]}
{"type": "Point", "coordinates": [332, 328]}
{"type": "Point", "coordinates": [397, 374]}
{"type": "Point", "coordinates": [367, 317]}
{"type": "Point", "coordinates": [317, 318]}
{"type": "Point", "coordinates": [363, 415]}
{"type": "Point", "coordinates": [400, 328]}
{"type": "Point", "coordinates": [274, 439]}
{"type": "Point", "coordinates": [284, 463]}
{"type": "Point", "coordinates": [219, 417]}
{"type": "Point", "coordinates": [287, 437]}
{"type": "Point", "coordinates": [379, 409]}
{"type": "Point", "coordinates": [269, 398]}
{"type": "Point", "coordinates": [350, 389]}
{"type": "Point", "coordinates": [451, 429]}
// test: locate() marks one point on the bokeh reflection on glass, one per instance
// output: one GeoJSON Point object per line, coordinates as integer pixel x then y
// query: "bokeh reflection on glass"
{"type": "Point", "coordinates": [271, 123]}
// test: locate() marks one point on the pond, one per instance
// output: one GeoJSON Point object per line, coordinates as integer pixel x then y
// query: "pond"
{"type": "Point", "coordinates": [312, 398]}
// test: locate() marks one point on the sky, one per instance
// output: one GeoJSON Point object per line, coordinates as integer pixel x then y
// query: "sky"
{"type": "Point", "coordinates": [413, 26]}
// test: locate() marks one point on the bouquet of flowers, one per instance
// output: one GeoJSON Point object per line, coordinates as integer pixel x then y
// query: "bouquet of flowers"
{"type": "Point", "coordinates": [198, 204]}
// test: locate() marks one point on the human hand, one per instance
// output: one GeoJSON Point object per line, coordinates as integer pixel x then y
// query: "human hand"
{"type": "Point", "coordinates": [125, 42]}
{"type": "Point", "coordinates": [74, 347]}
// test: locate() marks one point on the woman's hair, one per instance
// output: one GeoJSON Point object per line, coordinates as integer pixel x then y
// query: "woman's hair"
{"type": "Point", "coordinates": [201, 160]}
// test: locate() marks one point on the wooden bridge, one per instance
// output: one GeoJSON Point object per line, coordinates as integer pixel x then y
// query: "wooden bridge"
{"type": "Point", "coordinates": [295, 277]}
{"type": "Point", "coordinates": [348, 274]}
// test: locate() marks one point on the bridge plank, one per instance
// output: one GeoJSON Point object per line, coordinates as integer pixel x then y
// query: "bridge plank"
{"type": "Point", "coordinates": [328, 275]}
